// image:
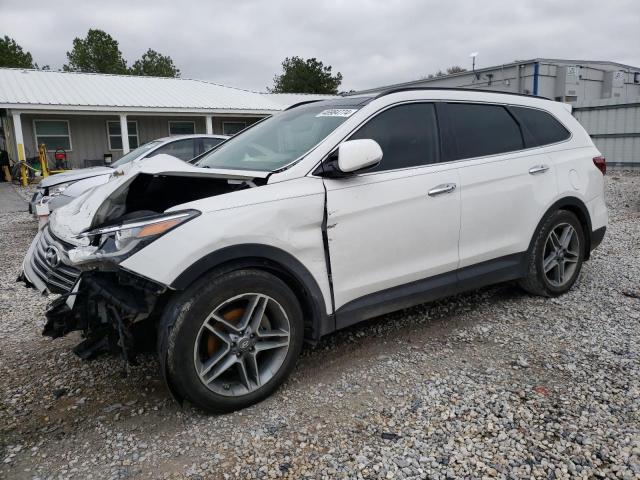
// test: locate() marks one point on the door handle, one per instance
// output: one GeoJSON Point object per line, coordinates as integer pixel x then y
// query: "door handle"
{"type": "Point", "coordinates": [440, 189]}
{"type": "Point", "coordinates": [538, 169]}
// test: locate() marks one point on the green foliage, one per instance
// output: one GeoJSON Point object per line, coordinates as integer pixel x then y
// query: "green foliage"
{"type": "Point", "coordinates": [456, 69]}
{"type": "Point", "coordinates": [155, 64]}
{"type": "Point", "coordinates": [450, 70]}
{"type": "Point", "coordinates": [12, 55]}
{"type": "Point", "coordinates": [97, 53]}
{"type": "Point", "coordinates": [305, 76]}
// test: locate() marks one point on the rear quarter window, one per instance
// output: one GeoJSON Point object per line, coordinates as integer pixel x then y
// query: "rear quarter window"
{"type": "Point", "coordinates": [541, 127]}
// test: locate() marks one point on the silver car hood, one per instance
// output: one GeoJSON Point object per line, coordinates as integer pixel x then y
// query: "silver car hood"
{"type": "Point", "coordinates": [73, 175]}
{"type": "Point", "coordinates": [79, 215]}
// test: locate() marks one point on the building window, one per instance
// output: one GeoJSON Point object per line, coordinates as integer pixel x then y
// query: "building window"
{"type": "Point", "coordinates": [182, 128]}
{"type": "Point", "coordinates": [53, 133]}
{"type": "Point", "coordinates": [231, 128]}
{"type": "Point", "coordinates": [115, 135]}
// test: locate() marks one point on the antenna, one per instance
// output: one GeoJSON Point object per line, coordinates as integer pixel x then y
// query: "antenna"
{"type": "Point", "coordinates": [473, 56]}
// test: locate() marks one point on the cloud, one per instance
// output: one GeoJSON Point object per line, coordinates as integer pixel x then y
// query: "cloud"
{"type": "Point", "coordinates": [372, 43]}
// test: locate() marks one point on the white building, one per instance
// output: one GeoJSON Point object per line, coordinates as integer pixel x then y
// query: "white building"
{"type": "Point", "coordinates": [93, 115]}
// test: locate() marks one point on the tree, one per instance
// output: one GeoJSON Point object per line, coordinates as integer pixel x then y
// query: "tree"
{"type": "Point", "coordinates": [450, 70]}
{"type": "Point", "coordinates": [455, 69]}
{"type": "Point", "coordinates": [305, 76]}
{"type": "Point", "coordinates": [155, 64]}
{"type": "Point", "coordinates": [97, 53]}
{"type": "Point", "coordinates": [12, 55]}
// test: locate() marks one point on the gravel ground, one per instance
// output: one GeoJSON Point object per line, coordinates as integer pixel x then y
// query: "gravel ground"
{"type": "Point", "coordinates": [494, 383]}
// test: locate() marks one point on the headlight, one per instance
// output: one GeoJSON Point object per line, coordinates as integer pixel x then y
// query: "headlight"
{"type": "Point", "coordinates": [56, 190]}
{"type": "Point", "coordinates": [116, 242]}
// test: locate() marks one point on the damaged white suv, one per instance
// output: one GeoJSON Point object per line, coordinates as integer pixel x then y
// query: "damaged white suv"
{"type": "Point", "coordinates": [327, 214]}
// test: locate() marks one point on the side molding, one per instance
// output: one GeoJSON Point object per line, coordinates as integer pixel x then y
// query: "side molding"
{"type": "Point", "coordinates": [502, 269]}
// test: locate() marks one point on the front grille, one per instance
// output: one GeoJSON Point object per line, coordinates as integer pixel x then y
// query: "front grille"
{"type": "Point", "coordinates": [59, 279]}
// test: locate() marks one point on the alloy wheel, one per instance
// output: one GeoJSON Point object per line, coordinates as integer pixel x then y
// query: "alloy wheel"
{"type": "Point", "coordinates": [242, 344]}
{"type": "Point", "coordinates": [561, 254]}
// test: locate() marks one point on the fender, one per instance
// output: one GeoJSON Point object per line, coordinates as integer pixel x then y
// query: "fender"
{"type": "Point", "coordinates": [277, 261]}
{"type": "Point", "coordinates": [576, 206]}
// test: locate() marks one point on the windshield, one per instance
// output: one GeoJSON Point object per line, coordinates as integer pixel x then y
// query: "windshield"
{"type": "Point", "coordinates": [279, 140]}
{"type": "Point", "coordinates": [133, 154]}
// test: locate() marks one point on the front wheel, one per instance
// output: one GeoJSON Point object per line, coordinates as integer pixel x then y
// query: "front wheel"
{"type": "Point", "coordinates": [556, 256]}
{"type": "Point", "coordinates": [235, 339]}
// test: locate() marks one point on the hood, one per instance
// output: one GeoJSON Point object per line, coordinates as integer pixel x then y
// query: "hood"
{"type": "Point", "coordinates": [73, 175]}
{"type": "Point", "coordinates": [144, 186]}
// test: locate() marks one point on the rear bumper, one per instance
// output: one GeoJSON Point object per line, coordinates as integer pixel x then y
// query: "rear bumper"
{"type": "Point", "coordinates": [597, 236]}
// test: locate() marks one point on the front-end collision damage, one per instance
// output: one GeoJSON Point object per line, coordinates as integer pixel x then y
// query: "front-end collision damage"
{"type": "Point", "coordinates": [108, 308]}
{"type": "Point", "coordinates": [117, 310]}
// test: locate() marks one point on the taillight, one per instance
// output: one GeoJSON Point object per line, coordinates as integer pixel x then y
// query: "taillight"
{"type": "Point", "coordinates": [601, 163]}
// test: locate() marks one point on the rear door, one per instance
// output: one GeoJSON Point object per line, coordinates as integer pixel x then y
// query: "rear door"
{"type": "Point", "coordinates": [398, 222]}
{"type": "Point", "coordinates": [504, 187]}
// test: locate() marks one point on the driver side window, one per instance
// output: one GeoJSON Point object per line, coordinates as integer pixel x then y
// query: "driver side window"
{"type": "Point", "coordinates": [407, 134]}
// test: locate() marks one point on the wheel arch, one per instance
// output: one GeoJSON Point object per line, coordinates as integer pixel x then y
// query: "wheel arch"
{"type": "Point", "coordinates": [277, 262]}
{"type": "Point", "coordinates": [579, 209]}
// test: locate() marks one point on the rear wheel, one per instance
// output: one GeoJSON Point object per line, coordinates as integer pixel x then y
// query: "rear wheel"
{"type": "Point", "coordinates": [556, 256]}
{"type": "Point", "coordinates": [235, 339]}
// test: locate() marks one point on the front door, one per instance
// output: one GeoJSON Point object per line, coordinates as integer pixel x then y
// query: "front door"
{"type": "Point", "coordinates": [398, 223]}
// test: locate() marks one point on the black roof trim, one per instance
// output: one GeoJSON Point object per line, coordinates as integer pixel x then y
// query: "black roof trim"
{"type": "Point", "coordinates": [302, 103]}
{"type": "Point", "coordinates": [456, 89]}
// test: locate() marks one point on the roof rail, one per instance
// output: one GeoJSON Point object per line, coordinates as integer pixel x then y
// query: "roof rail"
{"type": "Point", "coordinates": [302, 103]}
{"type": "Point", "coordinates": [456, 89]}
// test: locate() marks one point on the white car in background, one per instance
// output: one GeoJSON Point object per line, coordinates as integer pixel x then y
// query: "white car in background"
{"type": "Point", "coordinates": [58, 190]}
{"type": "Point", "coordinates": [322, 216]}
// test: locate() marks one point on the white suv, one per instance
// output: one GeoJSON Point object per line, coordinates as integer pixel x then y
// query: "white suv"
{"type": "Point", "coordinates": [327, 214]}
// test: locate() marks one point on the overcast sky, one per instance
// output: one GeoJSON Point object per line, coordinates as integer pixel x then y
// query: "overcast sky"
{"type": "Point", "coordinates": [373, 43]}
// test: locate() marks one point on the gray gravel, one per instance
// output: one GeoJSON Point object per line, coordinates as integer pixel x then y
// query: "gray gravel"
{"type": "Point", "coordinates": [494, 383]}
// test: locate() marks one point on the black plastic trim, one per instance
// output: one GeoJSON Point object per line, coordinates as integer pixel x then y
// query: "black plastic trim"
{"type": "Point", "coordinates": [498, 270]}
{"type": "Point", "coordinates": [596, 237]}
{"type": "Point", "coordinates": [583, 217]}
{"type": "Point", "coordinates": [268, 257]}
{"type": "Point", "coordinates": [456, 89]}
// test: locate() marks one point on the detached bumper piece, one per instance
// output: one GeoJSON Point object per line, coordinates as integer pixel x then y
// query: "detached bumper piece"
{"type": "Point", "coordinates": [109, 308]}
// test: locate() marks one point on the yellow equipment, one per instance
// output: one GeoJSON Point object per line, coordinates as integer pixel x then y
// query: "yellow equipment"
{"type": "Point", "coordinates": [42, 153]}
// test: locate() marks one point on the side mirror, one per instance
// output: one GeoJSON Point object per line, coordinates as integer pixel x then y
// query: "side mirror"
{"type": "Point", "coordinates": [354, 155]}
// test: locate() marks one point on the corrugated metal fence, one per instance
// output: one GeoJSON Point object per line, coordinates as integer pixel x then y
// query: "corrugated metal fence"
{"type": "Point", "coordinates": [614, 127]}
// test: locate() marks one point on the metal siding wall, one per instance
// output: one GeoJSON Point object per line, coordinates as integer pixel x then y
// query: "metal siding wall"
{"type": "Point", "coordinates": [621, 121]}
{"type": "Point", "coordinates": [88, 137]}
{"type": "Point", "coordinates": [151, 128]}
{"type": "Point", "coordinates": [89, 133]}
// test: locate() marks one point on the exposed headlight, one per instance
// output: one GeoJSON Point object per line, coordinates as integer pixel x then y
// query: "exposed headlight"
{"type": "Point", "coordinates": [56, 190]}
{"type": "Point", "coordinates": [115, 242]}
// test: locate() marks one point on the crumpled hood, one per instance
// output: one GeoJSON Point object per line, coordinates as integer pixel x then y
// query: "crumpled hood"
{"type": "Point", "coordinates": [79, 215]}
{"type": "Point", "coordinates": [75, 175]}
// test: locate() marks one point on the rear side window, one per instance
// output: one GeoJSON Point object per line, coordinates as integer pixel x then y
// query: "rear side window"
{"type": "Point", "coordinates": [407, 134]}
{"type": "Point", "coordinates": [541, 127]}
{"type": "Point", "coordinates": [478, 130]}
{"type": "Point", "coordinates": [209, 143]}
{"type": "Point", "coordinates": [183, 149]}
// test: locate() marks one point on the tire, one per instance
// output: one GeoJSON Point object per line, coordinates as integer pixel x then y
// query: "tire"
{"type": "Point", "coordinates": [248, 350]}
{"type": "Point", "coordinates": [556, 280]}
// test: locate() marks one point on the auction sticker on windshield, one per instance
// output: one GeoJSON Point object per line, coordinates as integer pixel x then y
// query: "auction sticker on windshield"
{"type": "Point", "coordinates": [337, 112]}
